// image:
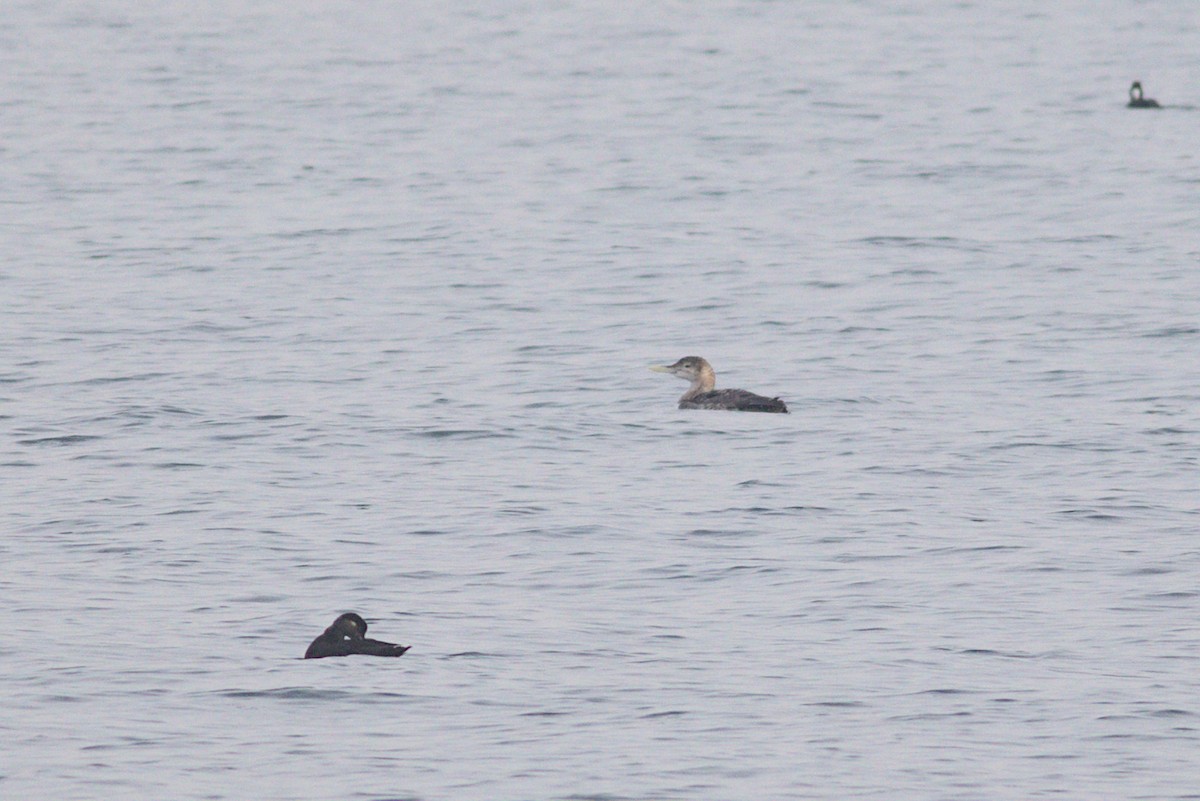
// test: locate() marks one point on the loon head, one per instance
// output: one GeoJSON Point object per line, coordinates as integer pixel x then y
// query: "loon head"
{"type": "Point", "coordinates": [689, 368]}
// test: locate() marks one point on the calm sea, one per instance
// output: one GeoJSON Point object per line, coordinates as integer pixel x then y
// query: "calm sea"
{"type": "Point", "coordinates": [323, 306]}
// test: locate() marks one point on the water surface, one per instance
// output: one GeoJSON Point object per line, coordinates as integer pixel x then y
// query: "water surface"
{"type": "Point", "coordinates": [317, 307]}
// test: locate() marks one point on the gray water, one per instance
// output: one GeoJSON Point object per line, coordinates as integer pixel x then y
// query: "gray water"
{"type": "Point", "coordinates": [312, 307]}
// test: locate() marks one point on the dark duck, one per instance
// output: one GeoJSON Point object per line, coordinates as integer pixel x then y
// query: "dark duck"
{"type": "Point", "coordinates": [703, 395]}
{"type": "Point", "coordinates": [346, 637]}
{"type": "Point", "coordinates": [1136, 100]}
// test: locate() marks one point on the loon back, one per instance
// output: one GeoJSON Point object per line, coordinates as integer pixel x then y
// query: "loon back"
{"type": "Point", "coordinates": [735, 400]}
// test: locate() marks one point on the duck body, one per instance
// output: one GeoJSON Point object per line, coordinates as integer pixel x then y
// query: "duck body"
{"type": "Point", "coordinates": [702, 394]}
{"type": "Point", "coordinates": [345, 638]}
{"type": "Point", "coordinates": [1137, 100]}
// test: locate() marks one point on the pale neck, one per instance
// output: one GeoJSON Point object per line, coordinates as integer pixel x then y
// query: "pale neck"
{"type": "Point", "coordinates": [704, 382]}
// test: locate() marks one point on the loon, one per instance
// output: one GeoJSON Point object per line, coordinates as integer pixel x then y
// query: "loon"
{"type": "Point", "coordinates": [345, 637]}
{"type": "Point", "coordinates": [1137, 101]}
{"type": "Point", "coordinates": [701, 395]}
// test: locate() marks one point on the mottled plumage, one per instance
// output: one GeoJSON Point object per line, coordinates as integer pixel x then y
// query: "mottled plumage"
{"type": "Point", "coordinates": [734, 400]}
{"type": "Point", "coordinates": [702, 395]}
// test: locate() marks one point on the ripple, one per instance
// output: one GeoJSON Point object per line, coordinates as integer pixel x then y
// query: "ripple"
{"type": "Point", "coordinates": [64, 440]}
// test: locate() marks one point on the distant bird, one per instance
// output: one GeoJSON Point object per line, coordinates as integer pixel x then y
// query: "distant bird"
{"type": "Point", "coordinates": [701, 395]}
{"type": "Point", "coordinates": [1137, 101]}
{"type": "Point", "coordinates": [345, 637]}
